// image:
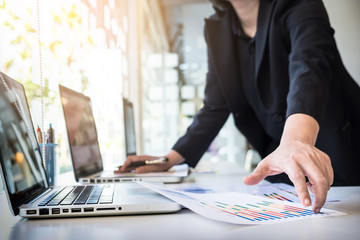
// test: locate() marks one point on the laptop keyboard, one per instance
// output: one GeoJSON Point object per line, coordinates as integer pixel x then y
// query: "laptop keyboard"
{"type": "Point", "coordinates": [76, 195]}
{"type": "Point", "coordinates": [84, 195]}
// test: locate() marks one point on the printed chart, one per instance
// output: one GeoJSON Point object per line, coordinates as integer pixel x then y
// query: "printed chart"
{"type": "Point", "coordinates": [293, 192]}
{"type": "Point", "coordinates": [271, 192]}
{"type": "Point", "coordinates": [262, 210]}
{"type": "Point", "coordinates": [290, 192]}
{"type": "Point", "coordinates": [278, 191]}
{"type": "Point", "coordinates": [239, 208]}
{"type": "Point", "coordinates": [280, 197]}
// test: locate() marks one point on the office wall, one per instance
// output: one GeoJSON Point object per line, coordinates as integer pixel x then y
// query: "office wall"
{"type": "Point", "coordinates": [345, 19]}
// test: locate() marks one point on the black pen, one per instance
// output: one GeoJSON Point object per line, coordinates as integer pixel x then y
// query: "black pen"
{"type": "Point", "coordinates": [148, 162]}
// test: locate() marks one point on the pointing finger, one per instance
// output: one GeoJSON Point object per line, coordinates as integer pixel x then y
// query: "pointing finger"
{"type": "Point", "coordinates": [319, 188]}
{"type": "Point", "coordinates": [297, 177]}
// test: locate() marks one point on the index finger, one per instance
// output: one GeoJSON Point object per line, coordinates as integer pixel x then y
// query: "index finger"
{"type": "Point", "coordinates": [297, 177]}
{"type": "Point", "coordinates": [320, 193]}
{"type": "Point", "coordinates": [319, 183]}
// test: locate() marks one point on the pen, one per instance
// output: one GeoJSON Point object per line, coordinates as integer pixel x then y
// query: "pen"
{"type": "Point", "coordinates": [51, 136]}
{"type": "Point", "coordinates": [39, 134]}
{"type": "Point", "coordinates": [148, 162]}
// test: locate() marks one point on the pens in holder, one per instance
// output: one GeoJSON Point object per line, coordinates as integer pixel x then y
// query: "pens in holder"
{"type": "Point", "coordinates": [148, 162]}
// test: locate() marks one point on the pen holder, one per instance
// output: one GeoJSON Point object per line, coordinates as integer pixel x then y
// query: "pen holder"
{"type": "Point", "coordinates": [50, 162]}
{"type": "Point", "coordinates": [1, 185]}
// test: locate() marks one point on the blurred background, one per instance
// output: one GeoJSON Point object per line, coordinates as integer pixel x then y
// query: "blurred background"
{"type": "Point", "coordinates": [149, 51]}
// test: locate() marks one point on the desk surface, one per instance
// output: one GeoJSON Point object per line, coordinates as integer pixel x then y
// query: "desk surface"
{"type": "Point", "coordinates": [188, 225]}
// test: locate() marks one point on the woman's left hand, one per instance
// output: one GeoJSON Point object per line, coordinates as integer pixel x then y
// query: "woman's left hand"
{"type": "Point", "coordinates": [299, 158]}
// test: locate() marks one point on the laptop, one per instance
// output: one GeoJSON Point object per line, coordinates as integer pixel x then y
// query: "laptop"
{"type": "Point", "coordinates": [84, 145]}
{"type": "Point", "coordinates": [26, 185]}
{"type": "Point", "coordinates": [129, 128]}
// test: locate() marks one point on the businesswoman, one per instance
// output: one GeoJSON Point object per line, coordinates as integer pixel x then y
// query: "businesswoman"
{"type": "Point", "coordinates": [274, 65]}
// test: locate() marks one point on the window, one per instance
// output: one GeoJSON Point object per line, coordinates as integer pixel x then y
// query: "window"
{"type": "Point", "coordinates": [84, 47]}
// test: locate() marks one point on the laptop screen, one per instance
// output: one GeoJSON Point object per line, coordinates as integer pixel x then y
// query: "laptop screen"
{"type": "Point", "coordinates": [20, 157]}
{"type": "Point", "coordinates": [82, 134]}
{"type": "Point", "coordinates": [129, 126]}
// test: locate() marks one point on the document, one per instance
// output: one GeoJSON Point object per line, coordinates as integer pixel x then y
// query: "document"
{"type": "Point", "coordinates": [290, 192]}
{"type": "Point", "coordinates": [279, 191]}
{"type": "Point", "coordinates": [239, 208]}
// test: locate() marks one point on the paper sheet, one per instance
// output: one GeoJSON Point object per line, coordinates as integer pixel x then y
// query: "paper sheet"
{"type": "Point", "coordinates": [239, 208]}
{"type": "Point", "coordinates": [290, 191]}
{"type": "Point", "coordinates": [279, 191]}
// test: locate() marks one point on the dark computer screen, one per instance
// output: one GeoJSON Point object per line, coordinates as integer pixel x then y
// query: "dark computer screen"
{"type": "Point", "coordinates": [129, 125]}
{"type": "Point", "coordinates": [82, 134]}
{"type": "Point", "coordinates": [20, 156]}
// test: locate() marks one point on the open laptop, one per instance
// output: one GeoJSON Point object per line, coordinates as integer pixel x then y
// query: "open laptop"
{"type": "Point", "coordinates": [25, 179]}
{"type": "Point", "coordinates": [84, 145]}
{"type": "Point", "coordinates": [129, 128]}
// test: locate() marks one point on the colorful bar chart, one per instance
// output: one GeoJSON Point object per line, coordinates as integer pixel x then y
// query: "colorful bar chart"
{"type": "Point", "coordinates": [261, 211]}
{"type": "Point", "coordinates": [241, 208]}
{"type": "Point", "coordinates": [290, 192]}
{"type": "Point", "coordinates": [277, 196]}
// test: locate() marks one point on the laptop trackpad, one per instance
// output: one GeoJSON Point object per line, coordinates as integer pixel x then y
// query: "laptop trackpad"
{"type": "Point", "coordinates": [134, 193]}
{"type": "Point", "coordinates": [132, 189]}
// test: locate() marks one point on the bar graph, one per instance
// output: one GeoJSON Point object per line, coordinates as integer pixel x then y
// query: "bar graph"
{"type": "Point", "coordinates": [242, 208]}
{"type": "Point", "coordinates": [261, 211]}
{"type": "Point", "coordinates": [288, 191]}
{"type": "Point", "coordinates": [277, 196]}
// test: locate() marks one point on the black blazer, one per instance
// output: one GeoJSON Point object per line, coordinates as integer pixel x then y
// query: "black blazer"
{"type": "Point", "coordinates": [298, 70]}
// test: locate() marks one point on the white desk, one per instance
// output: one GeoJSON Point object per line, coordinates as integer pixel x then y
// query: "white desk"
{"type": "Point", "coordinates": [188, 225]}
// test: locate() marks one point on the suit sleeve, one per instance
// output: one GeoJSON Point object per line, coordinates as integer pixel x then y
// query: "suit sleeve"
{"type": "Point", "coordinates": [207, 122]}
{"type": "Point", "coordinates": [311, 59]}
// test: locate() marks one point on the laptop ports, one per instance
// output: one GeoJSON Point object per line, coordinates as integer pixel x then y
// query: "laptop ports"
{"type": "Point", "coordinates": [88, 209]}
{"type": "Point", "coordinates": [65, 210]}
{"type": "Point", "coordinates": [126, 180]}
{"type": "Point", "coordinates": [30, 212]}
{"type": "Point", "coordinates": [44, 211]}
{"type": "Point", "coordinates": [55, 211]}
{"type": "Point", "coordinates": [76, 210]}
{"type": "Point", "coordinates": [105, 209]}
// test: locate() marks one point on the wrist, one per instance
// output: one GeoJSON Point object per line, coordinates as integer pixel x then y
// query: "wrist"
{"type": "Point", "coordinates": [175, 158]}
{"type": "Point", "coordinates": [300, 127]}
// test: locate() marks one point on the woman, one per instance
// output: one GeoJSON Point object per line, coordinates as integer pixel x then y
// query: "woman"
{"type": "Point", "coordinates": [275, 66]}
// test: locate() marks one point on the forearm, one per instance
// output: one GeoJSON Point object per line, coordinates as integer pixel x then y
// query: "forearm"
{"type": "Point", "coordinates": [199, 135]}
{"type": "Point", "coordinates": [300, 127]}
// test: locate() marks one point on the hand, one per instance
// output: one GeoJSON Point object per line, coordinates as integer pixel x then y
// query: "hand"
{"type": "Point", "coordinates": [173, 156]}
{"type": "Point", "coordinates": [298, 158]}
{"type": "Point", "coordinates": [145, 168]}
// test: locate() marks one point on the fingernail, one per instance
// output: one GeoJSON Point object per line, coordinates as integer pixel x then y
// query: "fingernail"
{"type": "Point", "coordinates": [307, 202]}
{"type": "Point", "coordinates": [317, 210]}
